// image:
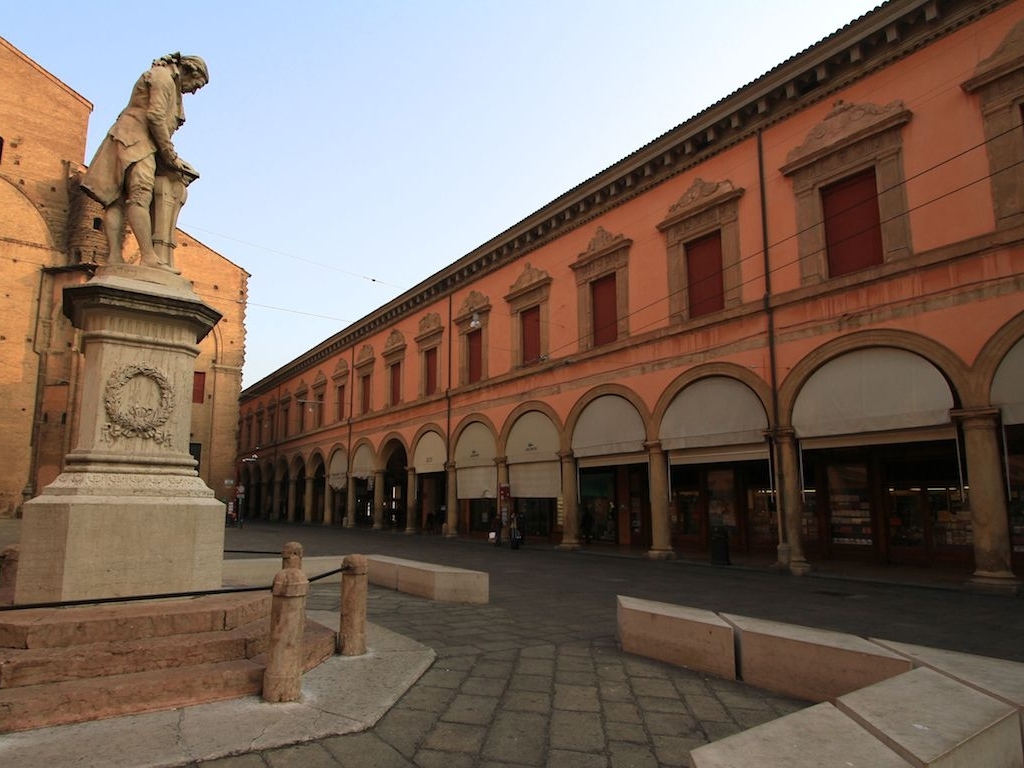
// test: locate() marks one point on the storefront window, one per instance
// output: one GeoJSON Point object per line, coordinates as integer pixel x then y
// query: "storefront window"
{"type": "Point", "coordinates": [597, 506]}
{"type": "Point", "coordinates": [537, 514]}
{"type": "Point", "coordinates": [481, 514]}
{"type": "Point", "coordinates": [1015, 468]}
{"type": "Point", "coordinates": [849, 505]}
{"type": "Point", "coordinates": [951, 518]}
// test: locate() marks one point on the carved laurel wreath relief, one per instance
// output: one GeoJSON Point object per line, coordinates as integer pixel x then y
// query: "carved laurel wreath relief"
{"type": "Point", "coordinates": [135, 419]}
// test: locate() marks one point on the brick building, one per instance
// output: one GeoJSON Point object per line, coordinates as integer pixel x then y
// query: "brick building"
{"type": "Point", "coordinates": [796, 319]}
{"type": "Point", "coordinates": [51, 236]}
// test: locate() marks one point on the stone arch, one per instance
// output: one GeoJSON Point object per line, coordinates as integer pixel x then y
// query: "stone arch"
{"type": "Point", "coordinates": [727, 370]}
{"type": "Point", "coordinates": [950, 365]}
{"type": "Point", "coordinates": [522, 408]}
{"type": "Point", "coordinates": [572, 422]}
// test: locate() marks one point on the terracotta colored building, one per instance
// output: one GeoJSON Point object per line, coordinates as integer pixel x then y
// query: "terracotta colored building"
{"type": "Point", "coordinates": [51, 236]}
{"type": "Point", "coordinates": [796, 319]}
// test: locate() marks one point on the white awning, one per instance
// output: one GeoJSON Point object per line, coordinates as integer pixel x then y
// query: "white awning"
{"type": "Point", "coordinates": [610, 424]}
{"type": "Point", "coordinates": [476, 447]}
{"type": "Point", "coordinates": [872, 390]}
{"type": "Point", "coordinates": [476, 482]}
{"type": "Point", "coordinates": [1008, 385]}
{"type": "Point", "coordinates": [362, 463]}
{"type": "Point", "coordinates": [713, 411]}
{"type": "Point", "coordinates": [539, 480]}
{"type": "Point", "coordinates": [337, 475]}
{"type": "Point", "coordinates": [532, 438]}
{"type": "Point", "coordinates": [721, 455]}
{"type": "Point", "coordinates": [430, 454]}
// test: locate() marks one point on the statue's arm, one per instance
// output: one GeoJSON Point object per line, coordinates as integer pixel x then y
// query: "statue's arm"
{"type": "Point", "coordinates": [163, 100]}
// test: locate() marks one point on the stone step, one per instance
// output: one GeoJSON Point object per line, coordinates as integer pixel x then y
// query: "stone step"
{"type": "Point", "coordinates": [111, 695]}
{"type": "Point", "coordinates": [38, 706]}
{"type": "Point", "coordinates": [37, 666]}
{"type": "Point", "coordinates": [64, 627]}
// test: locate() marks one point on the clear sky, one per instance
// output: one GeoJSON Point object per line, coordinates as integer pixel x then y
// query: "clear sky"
{"type": "Point", "coordinates": [350, 149]}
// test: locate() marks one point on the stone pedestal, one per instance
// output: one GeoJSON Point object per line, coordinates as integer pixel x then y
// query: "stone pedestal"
{"type": "Point", "coordinates": [129, 514]}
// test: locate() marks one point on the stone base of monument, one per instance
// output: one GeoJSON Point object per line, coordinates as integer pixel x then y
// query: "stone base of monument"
{"type": "Point", "coordinates": [78, 664]}
{"type": "Point", "coordinates": [95, 535]}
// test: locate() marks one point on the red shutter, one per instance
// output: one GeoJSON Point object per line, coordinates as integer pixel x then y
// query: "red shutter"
{"type": "Point", "coordinates": [530, 320]}
{"type": "Point", "coordinates": [341, 402]}
{"type": "Point", "coordinates": [606, 319]}
{"type": "Point", "coordinates": [430, 372]}
{"type": "Point", "coordinates": [199, 387]}
{"type": "Point", "coordinates": [396, 383]}
{"type": "Point", "coordinates": [365, 393]}
{"type": "Point", "coordinates": [475, 346]}
{"type": "Point", "coordinates": [853, 233]}
{"type": "Point", "coordinates": [706, 292]}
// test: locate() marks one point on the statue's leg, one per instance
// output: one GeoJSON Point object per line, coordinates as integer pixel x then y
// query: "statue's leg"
{"type": "Point", "coordinates": [113, 225]}
{"type": "Point", "coordinates": [140, 180]}
{"type": "Point", "coordinates": [168, 197]}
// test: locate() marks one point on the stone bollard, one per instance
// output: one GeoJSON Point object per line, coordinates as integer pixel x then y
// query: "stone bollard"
{"type": "Point", "coordinates": [352, 633]}
{"type": "Point", "coordinates": [282, 680]}
{"type": "Point", "coordinates": [8, 573]}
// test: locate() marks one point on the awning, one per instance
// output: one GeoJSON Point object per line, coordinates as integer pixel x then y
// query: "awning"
{"type": "Point", "coordinates": [476, 482]}
{"type": "Point", "coordinates": [337, 475]}
{"type": "Point", "coordinates": [1008, 385]}
{"type": "Point", "coordinates": [722, 455]}
{"type": "Point", "coordinates": [362, 463]}
{"type": "Point", "coordinates": [711, 412]}
{"type": "Point", "coordinates": [476, 447]}
{"type": "Point", "coordinates": [610, 424]}
{"type": "Point", "coordinates": [430, 455]}
{"type": "Point", "coordinates": [532, 438]}
{"type": "Point", "coordinates": [872, 390]}
{"type": "Point", "coordinates": [539, 480]}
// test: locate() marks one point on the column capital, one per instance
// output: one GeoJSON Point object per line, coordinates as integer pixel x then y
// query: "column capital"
{"type": "Point", "coordinates": [566, 455]}
{"type": "Point", "coordinates": [975, 416]}
{"type": "Point", "coordinates": [653, 446]}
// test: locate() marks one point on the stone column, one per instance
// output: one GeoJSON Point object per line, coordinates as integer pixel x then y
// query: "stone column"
{"type": "Point", "coordinates": [329, 492]}
{"type": "Point", "coordinates": [990, 525]}
{"type": "Point", "coordinates": [282, 678]}
{"type": "Point", "coordinates": [378, 499]}
{"type": "Point", "coordinates": [352, 629]}
{"type": "Point", "coordinates": [350, 503]}
{"type": "Point", "coordinates": [791, 499]}
{"type": "Point", "coordinates": [275, 498]}
{"type": "Point", "coordinates": [451, 501]}
{"type": "Point", "coordinates": [661, 530]}
{"type": "Point", "coordinates": [501, 462]}
{"type": "Point", "coordinates": [570, 505]}
{"type": "Point", "coordinates": [307, 500]}
{"type": "Point", "coordinates": [411, 506]}
{"type": "Point", "coordinates": [293, 486]}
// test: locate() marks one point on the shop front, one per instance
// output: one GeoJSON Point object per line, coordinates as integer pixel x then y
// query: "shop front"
{"type": "Point", "coordinates": [534, 473]}
{"type": "Point", "coordinates": [476, 480]}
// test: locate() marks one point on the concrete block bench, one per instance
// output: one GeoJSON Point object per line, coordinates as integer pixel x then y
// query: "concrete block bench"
{"type": "Point", "coordinates": [435, 582]}
{"type": "Point", "coordinates": [687, 637]}
{"type": "Point", "coordinates": [937, 722]}
{"type": "Point", "coordinates": [807, 663]}
{"type": "Point", "coordinates": [815, 737]}
{"type": "Point", "coordinates": [892, 704]}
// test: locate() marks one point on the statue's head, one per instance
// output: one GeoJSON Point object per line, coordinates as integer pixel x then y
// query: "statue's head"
{"type": "Point", "coordinates": [197, 66]}
{"type": "Point", "coordinates": [193, 73]}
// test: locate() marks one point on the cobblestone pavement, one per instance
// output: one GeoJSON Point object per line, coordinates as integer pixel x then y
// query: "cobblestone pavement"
{"type": "Point", "coordinates": [535, 678]}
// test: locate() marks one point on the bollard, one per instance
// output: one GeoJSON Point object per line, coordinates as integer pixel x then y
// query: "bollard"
{"type": "Point", "coordinates": [352, 633]}
{"type": "Point", "coordinates": [282, 680]}
{"type": "Point", "coordinates": [8, 573]}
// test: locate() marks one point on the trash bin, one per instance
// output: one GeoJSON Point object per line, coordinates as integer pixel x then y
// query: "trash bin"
{"type": "Point", "coordinates": [720, 545]}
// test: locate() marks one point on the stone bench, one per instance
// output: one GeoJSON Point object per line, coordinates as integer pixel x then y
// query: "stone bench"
{"type": "Point", "coordinates": [434, 582]}
{"type": "Point", "coordinates": [883, 703]}
{"type": "Point", "coordinates": [808, 663]}
{"type": "Point", "coordinates": [687, 637]}
{"type": "Point", "coordinates": [443, 583]}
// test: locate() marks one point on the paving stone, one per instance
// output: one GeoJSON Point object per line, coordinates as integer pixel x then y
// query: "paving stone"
{"type": "Point", "coordinates": [578, 731]}
{"type": "Point", "coordinates": [563, 758]}
{"type": "Point", "coordinates": [456, 737]}
{"type": "Point", "coordinates": [633, 732]}
{"type": "Point", "coordinates": [706, 707]}
{"type": "Point", "coordinates": [620, 712]}
{"type": "Point", "coordinates": [428, 758]}
{"type": "Point", "coordinates": [405, 729]}
{"type": "Point", "coordinates": [628, 755]}
{"type": "Point", "coordinates": [646, 686]}
{"type": "Point", "coordinates": [517, 734]}
{"type": "Point", "coordinates": [311, 755]}
{"type": "Point", "coordinates": [364, 750]}
{"type": "Point", "coordinates": [252, 760]}
{"type": "Point", "coordinates": [535, 666]}
{"type": "Point", "coordinates": [670, 723]}
{"type": "Point", "coordinates": [485, 686]}
{"type": "Point", "coordinates": [471, 709]}
{"type": "Point", "coordinates": [527, 701]}
{"type": "Point", "coordinates": [578, 698]}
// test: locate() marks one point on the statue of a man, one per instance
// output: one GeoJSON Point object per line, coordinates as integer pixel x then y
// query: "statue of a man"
{"type": "Point", "coordinates": [136, 171]}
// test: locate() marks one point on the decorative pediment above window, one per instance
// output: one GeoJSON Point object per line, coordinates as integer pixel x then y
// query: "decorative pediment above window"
{"type": "Point", "coordinates": [845, 125]}
{"type": "Point", "coordinates": [1006, 60]}
{"type": "Point", "coordinates": [430, 329]}
{"type": "Point", "coordinates": [531, 281]}
{"type": "Point", "coordinates": [474, 302]}
{"type": "Point", "coordinates": [705, 206]}
{"type": "Point", "coordinates": [302, 390]}
{"type": "Point", "coordinates": [365, 356]}
{"type": "Point", "coordinates": [394, 347]}
{"type": "Point", "coordinates": [340, 370]}
{"type": "Point", "coordinates": [605, 253]}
